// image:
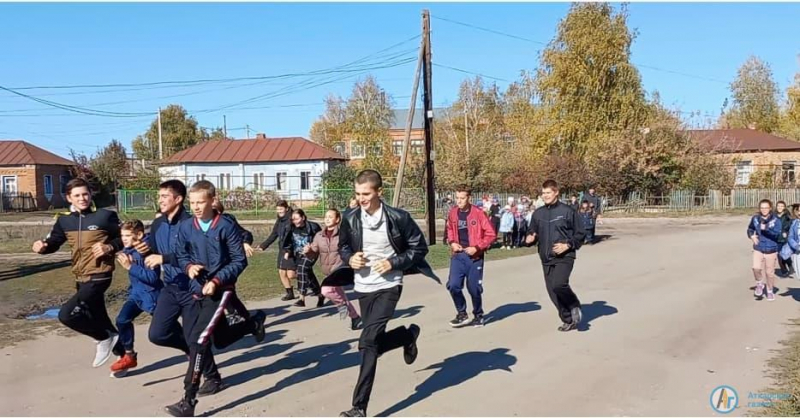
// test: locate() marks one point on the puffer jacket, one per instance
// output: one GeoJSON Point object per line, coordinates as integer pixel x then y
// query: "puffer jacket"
{"type": "Point", "coordinates": [325, 247]}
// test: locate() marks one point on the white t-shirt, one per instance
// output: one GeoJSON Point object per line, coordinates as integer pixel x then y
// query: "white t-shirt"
{"type": "Point", "coordinates": [376, 247]}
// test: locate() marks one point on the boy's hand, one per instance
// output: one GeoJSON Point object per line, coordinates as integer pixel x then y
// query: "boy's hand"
{"type": "Point", "coordinates": [357, 261]}
{"type": "Point", "coordinates": [471, 251]}
{"type": "Point", "coordinates": [560, 248]}
{"type": "Point", "coordinates": [142, 247]}
{"type": "Point", "coordinates": [100, 249]}
{"type": "Point", "coordinates": [124, 260]}
{"type": "Point", "coordinates": [248, 250]}
{"type": "Point", "coordinates": [194, 270]}
{"type": "Point", "coordinates": [530, 239]}
{"type": "Point", "coordinates": [39, 247]}
{"type": "Point", "coordinates": [153, 261]}
{"type": "Point", "coordinates": [456, 247]}
{"type": "Point", "coordinates": [209, 288]}
{"type": "Point", "coordinates": [755, 239]}
{"type": "Point", "coordinates": [381, 267]}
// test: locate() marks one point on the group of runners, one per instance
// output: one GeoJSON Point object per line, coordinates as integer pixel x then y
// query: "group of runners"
{"type": "Point", "coordinates": [184, 273]}
{"type": "Point", "coordinates": [775, 232]}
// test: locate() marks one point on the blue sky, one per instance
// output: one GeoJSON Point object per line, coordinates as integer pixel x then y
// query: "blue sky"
{"type": "Point", "coordinates": [72, 44]}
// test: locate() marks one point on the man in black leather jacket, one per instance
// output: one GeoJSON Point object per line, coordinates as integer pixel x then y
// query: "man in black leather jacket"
{"type": "Point", "coordinates": [560, 232]}
{"type": "Point", "coordinates": [379, 243]}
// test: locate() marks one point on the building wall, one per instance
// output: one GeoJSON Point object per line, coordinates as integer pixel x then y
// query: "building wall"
{"type": "Point", "coordinates": [30, 179]}
{"type": "Point", "coordinates": [243, 175]}
{"type": "Point", "coordinates": [763, 161]}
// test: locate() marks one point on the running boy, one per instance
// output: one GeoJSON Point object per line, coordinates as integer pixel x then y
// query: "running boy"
{"type": "Point", "coordinates": [143, 293]}
{"type": "Point", "coordinates": [587, 214]}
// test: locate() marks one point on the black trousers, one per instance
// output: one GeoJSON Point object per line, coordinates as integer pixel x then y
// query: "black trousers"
{"type": "Point", "coordinates": [86, 313]}
{"type": "Point", "coordinates": [376, 310]}
{"type": "Point", "coordinates": [556, 278]}
{"type": "Point", "coordinates": [307, 283]}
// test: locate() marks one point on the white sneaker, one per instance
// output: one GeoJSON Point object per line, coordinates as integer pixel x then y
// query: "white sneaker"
{"type": "Point", "coordinates": [104, 350]}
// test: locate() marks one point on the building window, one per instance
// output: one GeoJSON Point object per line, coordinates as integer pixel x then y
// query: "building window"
{"type": "Point", "coordinates": [788, 171]}
{"type": "Point", "coordinates": [200, 177]}
{"type": "Point", "coordinates": [48, 185]}
{"type": "Point", "coordinates": [280, 181]}
{"type": "Point", "coordinates": [10, 184]}
{"type": "Point", "coordinates": [62, 183]}
{"type": "Point", "coordinates": [258, 181]}
{"type": "Point", "coordinates": [339, 148]}
{"type": "Point", "coordinates": [376, 150]}
{"type": "Point", "coordinates": [743, 171]}
{"type": "Point", "coordinates": [417, 146]}
{"type": "Point", "coordinates": [357, 151]}
{"type": "Point", "coordinates": [397, 148]}
{"type": "Point", "coordinates": [224, 181]}
{"type": "Point", "coordinates": [305, 180]}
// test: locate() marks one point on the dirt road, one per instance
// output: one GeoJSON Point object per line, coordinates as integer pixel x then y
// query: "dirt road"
{"type": "Point", "coordinates": [670, 316]}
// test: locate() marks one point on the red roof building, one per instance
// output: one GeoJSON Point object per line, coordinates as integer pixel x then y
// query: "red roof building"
{"type": "Point", "coordinates": [31, 178]}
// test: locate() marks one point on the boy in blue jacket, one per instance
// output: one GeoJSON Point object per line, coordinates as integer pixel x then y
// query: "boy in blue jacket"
{"type": "Point", "coordinates": [143, 293]}
{"type": "Point", "coordinates": [210, 251]}
{"type": "Point", "coordinates": [764, 230]}
{"type": "Point", "coordinates": [587, 213]}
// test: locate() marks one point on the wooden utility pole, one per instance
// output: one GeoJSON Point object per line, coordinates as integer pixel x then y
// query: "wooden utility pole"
{"type": "Point", "coordinates": [160, 141]}
{"type": "Point", "coordinates": [427, 101]}
{"type": "Point", "coordinates": [248, 131]}
{"type": "Point", "coordinates": [225, 126]}
{"type": "Point", "coordinates": [398, 185]}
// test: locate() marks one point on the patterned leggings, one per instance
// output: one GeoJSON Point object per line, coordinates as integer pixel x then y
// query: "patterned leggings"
{"type": "Point", "coordinates": [307, 282]}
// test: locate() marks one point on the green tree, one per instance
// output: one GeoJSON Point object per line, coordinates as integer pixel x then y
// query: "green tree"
{"type": "Point", "coordinates": [110, 164]}
{"type": "Point", "coordinates": [755, 97]}
{"type": "Point", "coordinates": [790, 117]}
{"type": "Point", "coordinates": [179, 131]}
{"type": "Point", "coordinates": [586, 81]}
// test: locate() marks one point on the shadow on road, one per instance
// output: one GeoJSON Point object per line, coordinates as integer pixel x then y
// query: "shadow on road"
{"type": "Point", "coordinates": [315, 362]}
{"type": "Point", "coordinates": [508, 310]}
{"type": "Point", "coordinates": [454, 371]}
{"type": "Point", "coordinates": [22, 271]}
{"type": "Point", "coordinates": [792, 292]}
{"type": "Point", "coordinates": [161, 364]}
{"type": "Point", "coordinates": [409, 312]}
{"type": "Point", "coordinates": [593, 311]}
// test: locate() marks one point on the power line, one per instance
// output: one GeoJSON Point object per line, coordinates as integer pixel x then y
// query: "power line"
{"type": "Point", "coordinates": [521, 38]}
{"type": "Point", "coordinates": [470, 72]}
{"type": "Point", "coordinates": [75, 109]}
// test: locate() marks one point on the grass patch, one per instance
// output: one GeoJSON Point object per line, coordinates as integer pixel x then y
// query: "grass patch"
{"type": "Point", "coordinates": [784, 369]}
{"type": "Point", "coordinates": [37, 292]}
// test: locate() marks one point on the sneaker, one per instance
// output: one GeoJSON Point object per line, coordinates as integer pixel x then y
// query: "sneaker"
{"type": "Point", "coordinates": [568, 327]}
{"type": "Point", "coordinates": [320, 301]}
{"type": "Point", "coordinates": [411, 351]}
{"type": "Point", "coordinates": [355, 324]}
{"type": "Point", "coordinates": [355, 412]}
{"type": "Point", "coordinates": [759, 289]}
{"type": "Point", "coordinates": [288, 296]}
{"type": "Point", "coordinates": [477, 321]}
{"type": "Point", "coordinates": [184, 408]}
{"type": "Point", "coordinates": [770, 296]}
{"type": "Point", "coordinates": [104, 349]}
{"type": "Point", "coordinates": [128, 361]}
{"type": "Point", "coordinates": [460, 320]}
{"type": "Point", "coordinates": [210, 387]}
{"type": "Point", "coordinates": [260, 332]}
{"type": "Point", "coordinates": [300, 303]}
{"type": "Point", "coordinates": [577, 315]}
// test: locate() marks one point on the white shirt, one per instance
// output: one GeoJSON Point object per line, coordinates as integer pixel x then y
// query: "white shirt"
{"type": "Point", "coordinates": [376, 247]}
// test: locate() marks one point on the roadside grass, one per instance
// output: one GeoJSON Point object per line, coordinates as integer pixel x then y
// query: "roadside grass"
{"type": "Point", "coordinates": [784, 369]}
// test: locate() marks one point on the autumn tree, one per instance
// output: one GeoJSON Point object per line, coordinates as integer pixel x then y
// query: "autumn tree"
{"type": "Point", "coordinates": [790, 117]}
{"type": "Point", "coordinates": [110, 164]}
{"type": "Point", "coordinates": [754, 98]}
{"type": "Point", "coordinates": [179, 131]}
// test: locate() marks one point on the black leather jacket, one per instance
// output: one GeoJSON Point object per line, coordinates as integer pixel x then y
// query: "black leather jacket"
{"type": "Point", "coordinates": [404, 234]}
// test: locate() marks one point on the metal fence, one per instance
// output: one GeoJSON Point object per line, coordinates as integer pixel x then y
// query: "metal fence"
{"type": "Point", "coordinates": [17, 202]}
{"type": "Point", "coordinates": [689, 201]}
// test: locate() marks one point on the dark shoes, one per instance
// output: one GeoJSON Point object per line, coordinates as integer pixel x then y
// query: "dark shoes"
{"type": "Point", "coordinates": [355, 412]}
{"type": "Point", "coordinates": [184, 408]}
{"type": "Point", "coordinates": [410, 351]}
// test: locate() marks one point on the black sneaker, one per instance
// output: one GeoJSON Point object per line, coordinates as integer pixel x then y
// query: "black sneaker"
{"type": "Point", "coordinates": [577, 315]}
{"type": "Point", "coordinates": [260, 332]}
{"type": "Point", "coordinates": [210, 387]}
{"type": "Point", "coordinates": [184, 408]}
{"type": "Point", "coordinates": [355, 412]}
{"type": "Point", "coordinates": [288, 296]}
{"type": "Point", "coordinates": [410, 351]}
{"type": "Point", "coordinates": [568, 327]}
{"type": "Point", "coordinates": [461, 319]}
{"type": "Point", "coordinates": [477, 321]}
{"type": "Point", "coordinates": [300, 303]}
{"type": "Point", "coordinates": [320, 301]}
{"type": "Point", "coordinates": [355, 324]}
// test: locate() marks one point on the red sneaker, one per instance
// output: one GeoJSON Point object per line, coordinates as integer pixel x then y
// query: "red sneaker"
{"type": "Point", "coordinates": [128, 361]}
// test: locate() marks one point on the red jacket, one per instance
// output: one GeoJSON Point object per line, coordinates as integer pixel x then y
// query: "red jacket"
{"type": "Point", "coordinates": [481, 231]}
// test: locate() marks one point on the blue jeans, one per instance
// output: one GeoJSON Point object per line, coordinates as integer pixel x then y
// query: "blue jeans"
{"type": "Point", "coordinates": [130, 310]}
{"type": "Point", "coordinates": [463, 267]}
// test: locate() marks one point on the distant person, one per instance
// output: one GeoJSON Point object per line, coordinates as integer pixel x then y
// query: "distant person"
{"type": "Point", "coordinates": [286, 267]}
{"type": "Point", "coordinates": [764, 230]}
{"type": "Point", "coordinates": [794, 240]}
{"type": "Point", "coordinates": [786, 267]}
{"type": "Point", "coordinates": [597, 206]}
{"type": "Point", "coordinates": [494, 215]}
{"type": "Point", "coordinates": [587, 215]}
{"type": "Point", "coordinates": [507, 227]}
{"type": "Point", "coordinates": [573, 201]}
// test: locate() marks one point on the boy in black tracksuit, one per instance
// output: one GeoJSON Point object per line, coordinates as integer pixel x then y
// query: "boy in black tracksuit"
{"type": "Point", "coordinates": [209, 249]}
{"type": "Point", "coordinates": [560, 232]}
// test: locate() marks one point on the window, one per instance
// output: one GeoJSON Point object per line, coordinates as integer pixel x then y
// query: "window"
{"type": "Point", "coordinates": [280, 181]}
{"type": "Point", "coordinates": [48, 185]}
{"type": "Point", "coordinates": [376, 150]}
{"type": "Point", "coordinates": [357, 151]}
{"type": "Point", "coordinates": [743, 171]}
{"type": "Point", "coordinates": [62, 183]}
{"type": "Point", "coordinates": [200, 177]}
{"type": "Point", "coordinates": [788, 171]}
{"type": "Point", "coordinates": [397, 148]}
{"type": "Point", "coordinates": [10, 184]}
{"type": "Point", "coordinates": [224, 181]}
{"type": "Point", "coordinates": [258, 181]}
{"type": "Point", "coordinates": [417, 146]}
{"type": "Point", "coordinates": [305, 180]}
{"type": "Point", "coordinates": [339, 148]}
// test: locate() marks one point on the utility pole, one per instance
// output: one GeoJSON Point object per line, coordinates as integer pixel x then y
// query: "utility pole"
{"type": "Point", "coordinates": [398, 185]}
{"type": "Point", "coordinates": [428, 105]}
{"type": "Point", "coordinates": [160, 141]}
{"type": "Point", "coordinates": [247, 127]}
{"type": "Point", "coordinates": [466, 130]}
{"type": "Point", "coordinates": [225, 126]}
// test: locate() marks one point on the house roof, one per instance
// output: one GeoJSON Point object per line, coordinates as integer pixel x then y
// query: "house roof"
{"type": "Point", "coordinates": [18, 152]}
{"type": "Point", "coordinates": [400, 118]}
{"type": "Point", "coordinates": [261, 150]}
{"type": "Point", "coordinates": [742, 140]}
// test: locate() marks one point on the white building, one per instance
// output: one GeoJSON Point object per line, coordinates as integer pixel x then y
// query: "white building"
{"type": "Point", "coordinates": [292, 167]}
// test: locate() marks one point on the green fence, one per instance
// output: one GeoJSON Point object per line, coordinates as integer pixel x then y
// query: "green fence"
{"type": "Point", "coordinates": [144, 203]}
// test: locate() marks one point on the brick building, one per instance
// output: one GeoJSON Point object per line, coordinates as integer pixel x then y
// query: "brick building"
{"type": "Point", "coordinates": [31, 178]}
